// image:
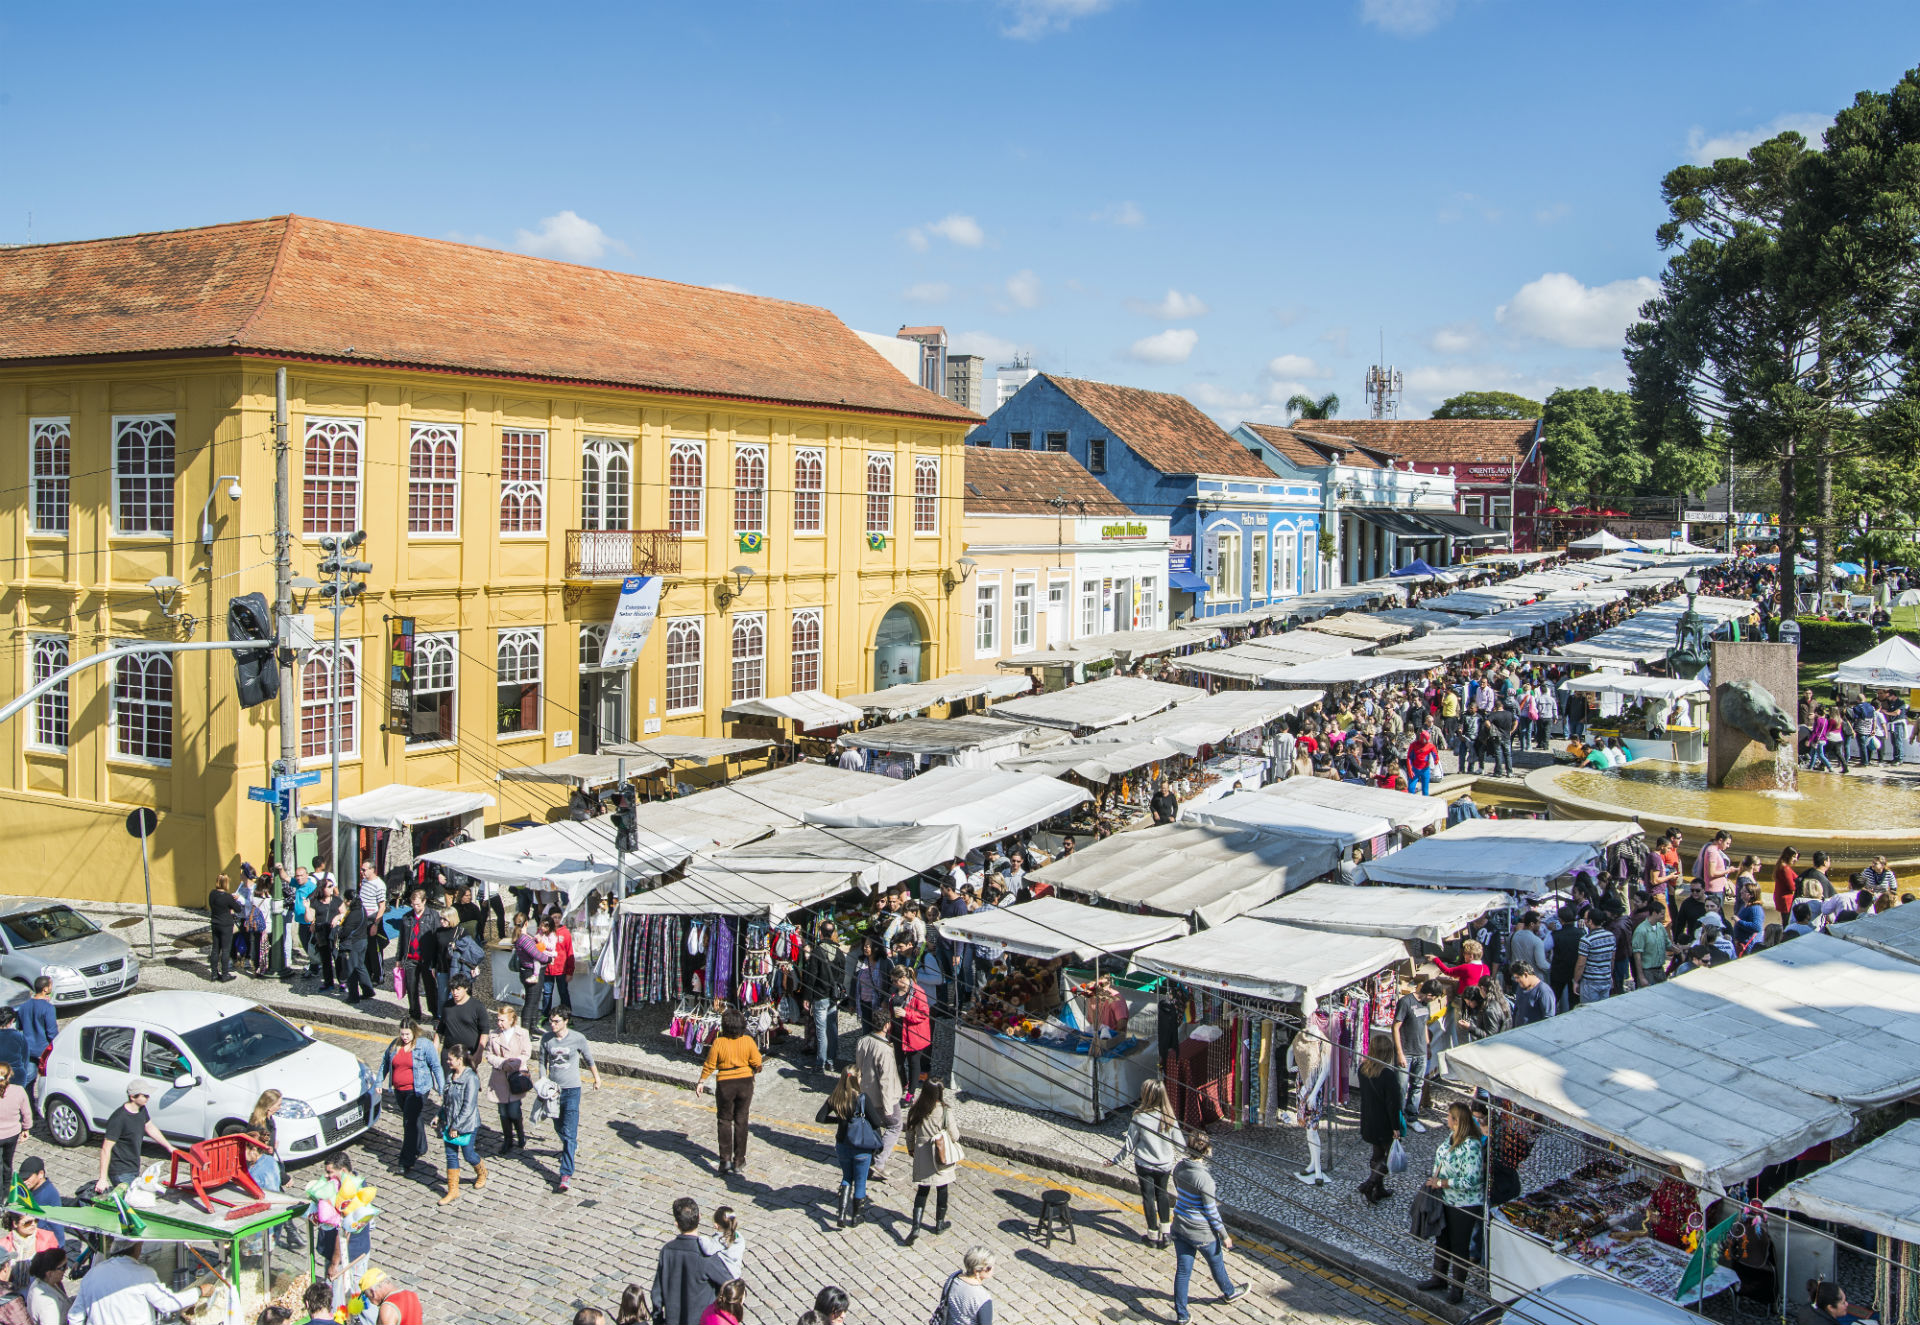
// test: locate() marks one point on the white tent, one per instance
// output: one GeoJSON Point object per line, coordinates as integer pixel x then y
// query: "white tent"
{"type": "Point", "coordinates": [755, 806]}
{"type": "Point", "coordinates": [971, 740]}
{"type": "Point", "coordinates": [1401, 809]}
{"type": "Point", "coordinates": [1098, 704]}
{"type": "Point", "coordinates": [1876, 1188]}
{"type": "Point", "coordinates": [401, 806]}
{"type": "Point", "coordinates": [809, 710]}
{"type": "Point", "coordinates": [1304, 645]}
{"type": "Point", "coordinates": [1514, 855]}
{"type": "Point", "coordinates": [1444, 644]}
{"type": "Point", "coordinates": [585, 771]}
{"type": "Point", "coordinates": [1630, 686]}
{"type": "Point", "coordinates": [985, 805]}
{"type": "Point", "coordinates": [1346, 670]}
{"type": "Point", "coordinates": [1360, 626]}
{"type": "Point", "coordinates": [1263, 960]}
{"type": "Point", "coordinates": [1211, 874]}
{"type": "Point", "coordinates": [1894, 663]}
{"type": "Point", "coordinates": [709, 889]}
{"type": "Point", "coordinates": [1601, 542]}
{"type": "Point", "coordinates": [882, 856]}
{"type": "Point", "coordinates": [918, 696]}
{"type": "Point", "coordinates": [1050, 927]}
{"type": "Point", "coordinates": [1426, 915]}
{"type": "Point", "coordinates": [568, 846]}
{"type": "Point", "coordinates": [1097, 759]}
{"type": "Point", "coordinates": [1211, 719]}
{"type": "Point", "coordinates": [1288, 818]}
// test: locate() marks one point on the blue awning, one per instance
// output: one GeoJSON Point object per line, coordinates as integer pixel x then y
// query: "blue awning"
{"type": "Point", "coordinates": [1187, 580]}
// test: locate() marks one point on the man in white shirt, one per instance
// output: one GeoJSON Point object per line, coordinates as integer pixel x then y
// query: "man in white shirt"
{"type": "Point", "coordinates": [123, 1291]}
{"type": "Point", "coordinates": [373, 897]}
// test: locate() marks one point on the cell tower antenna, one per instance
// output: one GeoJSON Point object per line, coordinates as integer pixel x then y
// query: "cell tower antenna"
{"type": "Point", "coordinates": [1383, 386]}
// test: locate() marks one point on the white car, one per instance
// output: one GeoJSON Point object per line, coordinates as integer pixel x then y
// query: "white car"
{"type": "Point", "coordinates": [208, 1058]}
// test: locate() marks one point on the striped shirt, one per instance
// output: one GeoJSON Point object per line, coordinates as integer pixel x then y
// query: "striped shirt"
{"type": "Point", "coordinates": [1597, 946]}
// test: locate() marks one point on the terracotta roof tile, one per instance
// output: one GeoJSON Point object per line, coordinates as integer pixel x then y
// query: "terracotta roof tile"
{"type": "Point", "coordinates": [1440, 441]}
{"type": "Point", "coordinates": [1314, 448]}
{"type": "Point", "coordinates": [1005, 482]}
{"type": "Point", "coordinates": [293, 285]}
{"type": "Point", "coordinates": [1169, 432]}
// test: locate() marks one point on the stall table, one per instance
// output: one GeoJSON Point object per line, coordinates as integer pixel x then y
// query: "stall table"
{"type": "Point", "coordinates": [1035, 1075]}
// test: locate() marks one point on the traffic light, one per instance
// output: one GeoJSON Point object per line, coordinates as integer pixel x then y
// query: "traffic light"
{"type": "Point", "coordinates": [256, 673]}
{"type": "Point", "coordinates": [339, 566]}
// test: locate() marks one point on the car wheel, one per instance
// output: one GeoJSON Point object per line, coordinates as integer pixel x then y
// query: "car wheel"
{"type": "Point", "coordinates": [65, 1123]}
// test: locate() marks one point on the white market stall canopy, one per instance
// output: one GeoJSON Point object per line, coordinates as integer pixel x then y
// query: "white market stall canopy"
{"type": "Point", "coordinates": [1603, 541]}
{"type": "Point", "coordinates": [1238, 663]}
{"type": "Point", "coordinates": [1359, 626]}
{"type": "Point", "coordinates": [1666, 1102]}
{"type": "Point", "coordinates": [753, 806]}
{"type": "Point", "coordinates": [809, 710]}
{"type": "Point", "coordinates": [1876, 1188]}
{"type": "Point", "coordinates": [1288, 818]}
{"type": "Point", "coordinates": [1304, 645]}
{"type": "Point", "coordinates": [709, 890]}
{"type": "Point", "coordinates": [1344, 671]}
{"type": "Point", "coordinates": [1484, 601]}
{"type": "Point", "coordinates": [1515, 855]}
{"type": "Point", "coordinates": [1650, 634]}
{"type": "Point", "coordinates": [882, 856]}
{"type": "Point", "coordinates": [1895, 931]}
{"type": "Point", "coordinates": [1633, 687]}
{"type": "Point", "coordinates": [1210, 874]}
{"type": "Point", "coordinates": [585, 771]}
{"type": "Point", "coordinates": [567, 847]}
{"type": "Point", "coordinates": [918, 696]}
{"type": "Point", "coordinates": [1895, 663]}
{"type": "Point", "coordinates": [986, 805]}
{"type": "Point", "coordinates": [1414, 814]}
{"type": "Point", "coordinates": [1444, 644]}
{"type": "Point", "coordinates": [1417, 620]}
{"type": "Point", "coordinates": [1426, 915]}
{"type": "Point", "coordinates": [1211, 719]}
{"type": "Point", "coordinates": [1050, 927]}
{"type": "Point", "coordinates": [1097, 759]}
{"type": "Point", "coordinates": [401, 806]}
{"type": "Point", "coordinates": [967, 734]}
{"type": "Point", "coordinates": [1098, 704]}
{"type": "Point", "coordinates": [687, 749]}
{"type": "Point", "coordinates": [1264, 960]}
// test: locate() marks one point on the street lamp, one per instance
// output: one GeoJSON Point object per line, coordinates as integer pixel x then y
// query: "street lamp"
{"type": "Point", "coordinates": [742, 576]}
{"type": "Point", "coordinates": [948, 579]}
{"type": "Point", "coordinates": [1691, 649]}
{"type": "Point", "coordinates": [338, 590]}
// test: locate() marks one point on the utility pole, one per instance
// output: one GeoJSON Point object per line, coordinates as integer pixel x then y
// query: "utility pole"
{"type": "Point", "coordinates": [289, 761]}
{"type": "Point", "coordinates": [339, 590]}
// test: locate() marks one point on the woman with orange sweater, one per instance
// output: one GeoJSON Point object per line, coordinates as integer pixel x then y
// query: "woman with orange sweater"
{"type": "Point", "coordinates": [733, 1059]}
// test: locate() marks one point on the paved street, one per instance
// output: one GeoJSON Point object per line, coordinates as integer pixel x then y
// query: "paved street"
{"type": "Point", "coordinates": [520, 1252]}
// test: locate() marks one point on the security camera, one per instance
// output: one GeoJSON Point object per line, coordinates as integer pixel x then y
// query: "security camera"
{"type": "Point", "coordinates": [233, 491]}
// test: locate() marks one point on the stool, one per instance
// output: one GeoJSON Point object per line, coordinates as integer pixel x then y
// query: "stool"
{"type": "Point", "coordinates": [1057, 1216]}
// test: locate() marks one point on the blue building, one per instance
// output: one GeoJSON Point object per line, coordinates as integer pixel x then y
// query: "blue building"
{"type": "Point", "coordinates": [1243, 536]}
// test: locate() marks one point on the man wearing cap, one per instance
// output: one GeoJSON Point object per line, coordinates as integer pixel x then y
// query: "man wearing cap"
{"type": "Point", "coordinates": [124, 1291]}
{"type": "Point", "coordinates": [120, 1145]}
{"type": "Point", "coordinates": [1714, 937]}
{"type": "Point", "coordinates": [39, 1188]}
{"type": "Point", "coordinates": [392, 1304]}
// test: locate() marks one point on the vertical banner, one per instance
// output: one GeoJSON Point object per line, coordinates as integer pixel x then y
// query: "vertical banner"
{"type": "Point", "coordinates": [400, 677]}
{"type": "Point", "coordinates": [1210, 553]}
{"type": "Point", "coordinates": [632, 622]}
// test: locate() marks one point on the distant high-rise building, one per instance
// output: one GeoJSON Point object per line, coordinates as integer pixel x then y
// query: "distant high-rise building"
{"type": "Point", "coordinates": [933, 356]}
{"type": "Point", "coordinates": [1011, 377]}
{"type": "Point", "coordinates": [967, 382]}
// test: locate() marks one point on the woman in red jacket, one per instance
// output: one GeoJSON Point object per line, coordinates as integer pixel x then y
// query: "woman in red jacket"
{"type": "Point", "coordinates": [913, 1029]}
{"type": "Point", "coordinates": [560, 968]}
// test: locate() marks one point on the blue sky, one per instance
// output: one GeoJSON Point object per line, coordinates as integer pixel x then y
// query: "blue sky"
{"type": "Point", "coordinates": [1231, 200]}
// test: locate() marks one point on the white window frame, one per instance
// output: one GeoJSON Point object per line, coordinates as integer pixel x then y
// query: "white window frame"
{"type": "Point", "coordinates": [1021, 616]}
{"type": "Point", "coordinates": [121, 424]}
{"type": "Point", "coordinates": [1500, 513]}
{"type": "Point", "coordinates": [600, 457]}
{"type": "Point", "coordinates": [337, 517]}
{"type": "Point", "coordinates": [52, 709]}
{"type": "Point", "coordinates": [926, 505]}
{"type": "Point", "coordinates": [51, 491]}
{"type": "Point", "coordinates": [1473, 507]}
{"type": "Point", "coordinates": [813, 657]}
{"type": "Point", "coordinates": [748, 670]}
{"type": "Point", "coordinates": [345, 723]}
{"type": "Point", "coordinates": [1287, 559]}
{"type": "Point", "coordinates": [523, 489]}
{"type": "Point", "coordinates": [1089, 609]}
{"type": "Point", "coordinates": [681, 629]}
{"type": "Point", "coordinates": [436, 656]}
{"type": "Point", "coordinates": [815, 488]}
{"type": "Point", "coordinates": [1227, 583]}
{"type": "Point", "coordinates": [1059, 595]}
{"type": "Point", "coordinates": [1148, 615]}
{"type": "Point", "coordinates": [518, 637]}
{"type": "Point", "coordinates": [880, 465]}
{"type": "Point", "coordinates": [172, 706]}
{"type": "Point", "coordinates": [436, 488]}
{"type": "Point", "coordinates": [681, 449]}
{"type": "Point", "coordinates": [749, 496]}
{"type": "Point", "coordinates": [1261, 565]}
{"type": "Point", "coordinates": [986, 618]}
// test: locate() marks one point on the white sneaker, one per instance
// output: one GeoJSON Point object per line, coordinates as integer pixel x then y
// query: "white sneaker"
{"type": "Point", "coordinates": [1415, 1125]}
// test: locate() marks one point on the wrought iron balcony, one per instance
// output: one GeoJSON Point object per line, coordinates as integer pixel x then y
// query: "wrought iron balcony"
{"type": "Point", "coordinates": [614, 554]}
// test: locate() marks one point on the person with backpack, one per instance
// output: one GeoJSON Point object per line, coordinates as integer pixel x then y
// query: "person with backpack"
{"type": "Point", "coordinates": [526, 964]}
{"type": "Point", "coordinates": [858, 1124]}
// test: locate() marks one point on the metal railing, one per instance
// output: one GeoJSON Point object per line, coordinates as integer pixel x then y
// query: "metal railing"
{"type": "Point", "coordinates": [612, 554]}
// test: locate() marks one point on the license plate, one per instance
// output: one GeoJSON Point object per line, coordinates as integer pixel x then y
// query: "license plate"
{"type": "Point", "coordinates": [348, 1117]}
{"type": "Point", "coordinates": [109, 987]}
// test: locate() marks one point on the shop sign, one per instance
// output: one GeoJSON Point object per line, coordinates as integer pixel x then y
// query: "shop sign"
{"type": "Point", "coordinates": [400, 676]}
{"type": "Point", "coordinates": [1210, 553]}
{"type": "Point", "coordinates": [1126, 531]}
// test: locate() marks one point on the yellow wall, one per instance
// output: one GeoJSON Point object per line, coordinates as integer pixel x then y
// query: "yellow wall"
{"type": "Point", "coordinates": [64, 810]}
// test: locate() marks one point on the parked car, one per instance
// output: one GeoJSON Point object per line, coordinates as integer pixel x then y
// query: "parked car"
{"type": "Point", "coordinates": [51, 938]}
{"type": "Point", "coordinates": [207, 1058]}
{"type": "Point", "coordinates": [1586, 1299]}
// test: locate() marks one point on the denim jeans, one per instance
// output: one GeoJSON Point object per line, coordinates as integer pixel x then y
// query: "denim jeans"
{"type": "Point", "coordinates": [1422, 781]}
{"type": "Point", "coordinates": [826, 1033]}
{"type": "Point", "coordinates": [567, 1124]}
{"type": "Point", "coordinates": [550, 985]}
{"type": "Point", "coordinates": [454, 1154]}
{"type": "Point", "coordinates": [854, 1167]}
{"type": "Point", "coordinates": [1412, 1080]}
{"type": "Point", "coordinates": [1184, 1252]}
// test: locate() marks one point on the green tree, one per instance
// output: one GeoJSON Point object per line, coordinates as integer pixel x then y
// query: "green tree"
{"type": "Point", "coordinates": [1488, 405]}
{"type": "Point", "coordinates": [1303, 406]}
{"type": "Point", "coordinates": [1593, 446]}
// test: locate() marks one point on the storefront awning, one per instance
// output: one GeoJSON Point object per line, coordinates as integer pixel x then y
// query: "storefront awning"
{"type": "Point", "coordinates": [584, 771]}
{"type": "Point", "coordinates": [1514, 855]}
{"type": "Point", "coordinates": [986, 805]}
{"type": "Point", "coordinates": [1463, 528]}
{"type": "Point", "coordinates": [1186, 581]}
{"type": "Point", "coordinates": [1425, 915]}
{"type": "Point", "coordinates": [1262, 959]}
{"type": "Point", "coordinates": [1050, 927]}
{"type": "Point", "coordinates": [1395, 522]}
{"type": "Point", "coordinates": [1876, 1188]}
{"type": "Point", "coordinates": [809, 710]}
{"type": "Point", "coordinates": [401, 806]}
{"type": "Point", "coordinates": [1210, 874]}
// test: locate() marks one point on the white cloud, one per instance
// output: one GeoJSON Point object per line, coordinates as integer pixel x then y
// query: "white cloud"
{"type": "Point", "coordinates": [731, 288]}
{"type": "Point", "coordinates": [1175, 307]}
{"type": "Point", "coordinates": [1461, 204]}
{"type": "Point", "coordinates": [1703, 150]}
{"type": "Point", "coordinates": [927, 292]}
{"type": "Point", "coordinates": [1560, 309]}
{"type": "Point", "coordinates": [1405, 18]}
{"type": "Point", "coordinates": [1456, 338]}
{"type": "Point", "coordinates": [1121, 213]}
{"type": "Point", "coordinates": [1174, 345]}
{"type": "Point", "coordinates": [1023, 287]}
{"type": "Point", "coordinates": [1034, 19]}
{"type": "Point", "coordinates": [1336, 337]}
{"type": "Point", "coordinates": [568, 236]}
{"type": "Point", "coordinates": [1559, 211]}
{"type": "Point", "coordinates": [954, 228]}
{"type": "Point", "coordinates": [995, 349]}
{"type": "Point", "coordinates": [1222, 403]}
{"type": "Point", "coordinates": [1429, 384]}
{"type": "Point", "coordinates": [1296, 366]}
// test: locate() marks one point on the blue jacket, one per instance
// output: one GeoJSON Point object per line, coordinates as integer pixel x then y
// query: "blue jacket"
{"type": "Point", "coordinates": [37, 1020]}
{"type": "Point", "coordinates": [428, 1075]}
{"type": "Point", "coordinates": [13, 1052]}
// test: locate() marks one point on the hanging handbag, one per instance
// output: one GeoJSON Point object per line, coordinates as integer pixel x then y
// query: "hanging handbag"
{"type": "Point", "coordinates": [861, 1133]}
{"type": "Point", "coordinates": [939, 1316]}
{"type": "Point", "coordinates": [1428, 1217]}
{"type": "Point", "coordinates": [946, 1151]}
{"type": "Point", "coordinates": [1397, 1157]}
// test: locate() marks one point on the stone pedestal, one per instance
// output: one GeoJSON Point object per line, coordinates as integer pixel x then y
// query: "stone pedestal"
{"type": "Point", "coordinates": [1735, 759]}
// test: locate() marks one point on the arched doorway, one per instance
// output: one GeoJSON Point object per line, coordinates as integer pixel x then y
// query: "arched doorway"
{"type": "Point", "coordinates": [899, 646]}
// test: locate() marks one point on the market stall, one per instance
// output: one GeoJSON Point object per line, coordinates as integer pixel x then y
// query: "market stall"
{"type": "Point", "coordinates": [1412, 815]}
{"type": "Point", "coordinates": [1895, 932]}
{"type": "Point", "coordinates": [1893, 664]}
{"type": "Point", "coordinates": [882, 856]}
{"type": "Point", "coordinates": [972, 740]}
{"type": "Point", "coordinates": [1027, 1040]}
{"type": "Point", "coordinates": [1429, 916]}
{"type": "Point", "coordinates": [1274, 814]}
{"type": "Point", "coordinates": [1514, 855]}
{"type": "Point", "coordinates": [1875, 1190]}
{"type": "Point", "coordinates": [1209, 874]}
{"type": "Point", "coordinates": [586, 772]}
{"type": "Point", "coordinates": [1344, 670]}
{"type": "Point", "coordinates": [1118, 771]}
{"type": "Point", "coordinates": [986, 805]}
{"type": "Point", "coordinates": [394, 826]}
{"type": "Point", "coordinates": [1097, 705]}
{"type": "Point", "coordinates": [949, 695]}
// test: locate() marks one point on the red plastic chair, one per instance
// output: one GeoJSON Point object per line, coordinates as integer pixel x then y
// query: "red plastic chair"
{"type": "Point", "coordinates": [215, 1163]}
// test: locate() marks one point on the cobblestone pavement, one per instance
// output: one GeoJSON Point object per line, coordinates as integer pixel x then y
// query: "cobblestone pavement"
{"type": "Point", "coordinates": [518, 1251]}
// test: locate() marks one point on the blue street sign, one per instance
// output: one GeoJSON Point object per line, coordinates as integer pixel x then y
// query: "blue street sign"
{"type": "Point", "coordinates": [287, 780]}
{"type": "Point", "coordinates": [266, 794]}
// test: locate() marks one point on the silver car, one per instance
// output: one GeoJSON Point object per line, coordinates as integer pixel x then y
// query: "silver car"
{"type": "Point", "coordinates": [53, 939]}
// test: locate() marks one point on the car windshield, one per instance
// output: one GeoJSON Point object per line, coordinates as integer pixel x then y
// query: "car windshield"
{"type": "Point", "coordinates": [48, 924]}
{"type": "Point", "coordinates": [243, 1042]}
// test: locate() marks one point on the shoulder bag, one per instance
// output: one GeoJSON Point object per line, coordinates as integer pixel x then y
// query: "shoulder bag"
{"type": "Point", "coordinates": [861, 1133]}
{"type": "Point", "coordinates": [939, 1316]}
{"type": "Point", "coordinates": [1428, 1216]}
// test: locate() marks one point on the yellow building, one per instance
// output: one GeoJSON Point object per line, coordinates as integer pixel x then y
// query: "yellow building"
{"type": "Point", "coordinates": [514, 435]}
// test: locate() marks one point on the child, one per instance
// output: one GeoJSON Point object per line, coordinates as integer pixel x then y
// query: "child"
{"type": "Point", "coordinates": [729, 1243]}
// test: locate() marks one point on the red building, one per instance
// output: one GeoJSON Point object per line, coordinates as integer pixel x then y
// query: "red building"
{"type": "Point", "coordinates": [1499, 466]}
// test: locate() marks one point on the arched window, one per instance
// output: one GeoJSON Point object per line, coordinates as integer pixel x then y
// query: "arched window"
{"type": "Point", "coordinates": [926, 495]}
{"type": "Point", "coordinates": [806, 648]}
{"type": "Point", "coordinates": [317, 714]}
{"type": "Point", "coordinates": [606, 483]}
{"type": "Point", "coordinates": [49, 731]}
{"type": "Point", "coordinates": [52, 476]}
{"type": "Point", "coordinates": [331, 494]}
{"type": "Point", "coordinates": [517, 664]}
{"type": "Point", "coordinates": [523, 482]}
{"type": "Point", "coordinates": [143, 474]}
{"type": "Point", "coordinates": [433, 479]}
{"type": "Point", "coordinates": [435, 676]}
{"type": "Point", "coordinates": [809, 491]}
{"type": "Point", "coordinates": [749, 656]}
{"type": "Point", "coordinates": [143, 707]}
{"type": "Point", "coordinates": [879, 493]}
{"type": "Point", "coordinates": [684, 665]}
{"type": "Point", "coordinates": [750, 490]}
{"type": "Point", "coordinates": [686, 487]}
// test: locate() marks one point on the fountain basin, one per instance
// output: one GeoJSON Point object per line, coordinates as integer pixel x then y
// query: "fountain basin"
{"type": "Point", "coordinates": [1853, 818]}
